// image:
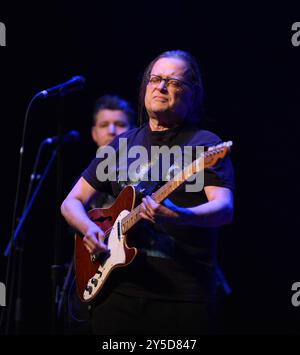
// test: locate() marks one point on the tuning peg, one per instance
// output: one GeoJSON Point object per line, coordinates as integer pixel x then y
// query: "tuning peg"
{"type": "Point", "coordinates": [220, 145]}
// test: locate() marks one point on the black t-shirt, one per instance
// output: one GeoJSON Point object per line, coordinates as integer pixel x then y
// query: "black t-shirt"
{"type": "Point", "coordinates": [175, 262]}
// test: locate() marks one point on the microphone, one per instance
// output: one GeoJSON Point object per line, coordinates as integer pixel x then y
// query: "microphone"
{"type": "Point", "coordinates": [69, 137]}
{"type": "Point", "coordinates": [74, 84]}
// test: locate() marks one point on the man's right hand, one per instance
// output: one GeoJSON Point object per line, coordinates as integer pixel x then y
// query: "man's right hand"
{"type": "Point", "coordinates": [93, 240]}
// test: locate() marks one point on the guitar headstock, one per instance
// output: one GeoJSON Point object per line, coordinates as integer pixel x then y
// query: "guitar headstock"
{"type": "Point", "coordinates": [214, 153]}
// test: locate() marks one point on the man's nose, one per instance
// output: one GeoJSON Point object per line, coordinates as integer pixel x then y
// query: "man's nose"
{"type": "Point", "coordinates": [162, 85]}
{"type": "Point", "coordinates": [112, 129]}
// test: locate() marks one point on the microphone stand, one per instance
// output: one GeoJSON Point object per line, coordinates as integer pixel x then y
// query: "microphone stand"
{"type": "Point", "coordinates": [30, 203]}
{"type": "Point", "coordinates": [19, 248]}
{"type": "Point", "coordinates": [18, 237]}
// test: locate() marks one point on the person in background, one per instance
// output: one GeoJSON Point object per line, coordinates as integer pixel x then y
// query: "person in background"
{"type": "Point", "coordinates": [112, 116]}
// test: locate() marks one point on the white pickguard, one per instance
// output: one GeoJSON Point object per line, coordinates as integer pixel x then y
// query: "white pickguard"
{"type": "Point", "coordinates": [117, 256]}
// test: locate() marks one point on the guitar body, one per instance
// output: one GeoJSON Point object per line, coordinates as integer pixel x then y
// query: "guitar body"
{"type": "Point", "coordinates": [92, 274]}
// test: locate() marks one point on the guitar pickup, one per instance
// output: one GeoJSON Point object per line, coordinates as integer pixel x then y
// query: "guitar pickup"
{"type": "Point", "coordinates": [94, 282]}
{"type": "Point", "coordinates": [89, 289]}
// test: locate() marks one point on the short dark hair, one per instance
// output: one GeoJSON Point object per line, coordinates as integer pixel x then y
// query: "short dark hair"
{"type": "Point", "coordinates": [114, 102]}
{"type": "Point", "coordinates": [194, 77]}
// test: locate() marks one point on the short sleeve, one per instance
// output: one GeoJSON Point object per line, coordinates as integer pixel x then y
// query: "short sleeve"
{"type": "Point", "coordinates": [90, 175]}
{"type": "Point", "coordinates": [222, 174]}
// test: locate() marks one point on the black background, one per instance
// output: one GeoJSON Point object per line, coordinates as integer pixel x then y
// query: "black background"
{"type": "Point", "coordinates": [252, 78]}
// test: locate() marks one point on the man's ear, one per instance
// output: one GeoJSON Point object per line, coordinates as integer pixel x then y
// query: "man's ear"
{"type": "Point", "coordinates": [93, 134]}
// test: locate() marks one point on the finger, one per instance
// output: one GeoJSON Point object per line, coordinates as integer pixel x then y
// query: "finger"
{"type": "Point", "coordinates": [150, 213]}
{"type": "Point", "coordinates": [87, 241]}
{"type": "Point", "coordinates": [93, 244]}
{"type": "Point", "coordinates": [145, 216]}
{"type": "Point", "coordinates": [87, 248]}
{"type": "Point", "coordinates": [151, 202]}
{"type": "Point", "coordinates": [100, 236]}
{"type": "Point", "coordinates": [148, 209]}
{"type": "Point", "coordinates": [153, 207]}
{"type": "Point", "coordinates": [145, 203]}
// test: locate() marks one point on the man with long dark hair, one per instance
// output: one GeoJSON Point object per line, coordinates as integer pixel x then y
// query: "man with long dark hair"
{"type": "Point", "coordinates": [170, 287]}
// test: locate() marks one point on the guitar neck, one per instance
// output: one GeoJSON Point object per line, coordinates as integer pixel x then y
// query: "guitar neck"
{"type": "Point", "coordinates": [207, 159]}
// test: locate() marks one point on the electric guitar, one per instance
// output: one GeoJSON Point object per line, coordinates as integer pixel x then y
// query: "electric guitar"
{"type": "Point", "coordinates": [93, 271]}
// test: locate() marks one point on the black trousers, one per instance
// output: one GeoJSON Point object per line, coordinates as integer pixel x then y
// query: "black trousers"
{"type": "Point", "coordinates": [122, 314]}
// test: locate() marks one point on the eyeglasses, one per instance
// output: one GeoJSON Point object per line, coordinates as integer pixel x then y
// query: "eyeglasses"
{"type": "Point", "coordinates": [155, 80]}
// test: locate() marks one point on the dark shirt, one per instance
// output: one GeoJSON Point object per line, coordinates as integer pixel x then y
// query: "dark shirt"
{"type": "Point", "coordinates": [175, 262]}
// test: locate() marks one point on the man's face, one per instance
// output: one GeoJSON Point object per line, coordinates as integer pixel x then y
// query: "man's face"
{"type": "Point", "coordinates": [166, 101]}
{"type": "Point", "coordinates": [109, 124]}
